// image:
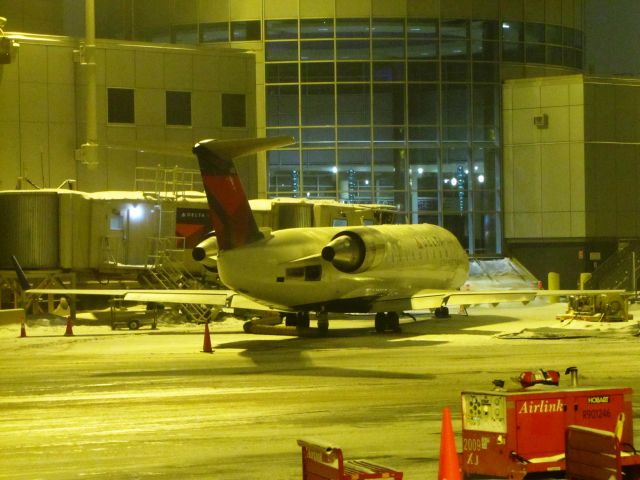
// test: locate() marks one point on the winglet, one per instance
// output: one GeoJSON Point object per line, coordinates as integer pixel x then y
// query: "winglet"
{"type": "Point", "coordinates": [229, 208]}
{"type": "Point", "coordinates": [22, 278]}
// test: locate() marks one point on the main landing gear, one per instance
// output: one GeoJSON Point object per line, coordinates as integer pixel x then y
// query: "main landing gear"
{"type": "Point", "coordinates": [441, 312]}
{"type": "Point", "coordinates": [298, 319]}
{"type": "Point", "coordinates": [384, 321]}
{"type": "Point", "coordinates": [387, 321]}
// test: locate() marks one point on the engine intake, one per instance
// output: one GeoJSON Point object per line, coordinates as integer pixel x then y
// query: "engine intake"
{"type": "Point", "coordinates": [357, 250]}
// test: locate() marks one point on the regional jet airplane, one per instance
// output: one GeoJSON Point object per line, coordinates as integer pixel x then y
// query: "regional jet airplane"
{"type": "Point", "coordinates": [381, 269]}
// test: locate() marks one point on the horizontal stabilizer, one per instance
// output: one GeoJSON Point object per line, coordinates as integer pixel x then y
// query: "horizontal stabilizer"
{"type": "Point", "coordinates": [220, 153]}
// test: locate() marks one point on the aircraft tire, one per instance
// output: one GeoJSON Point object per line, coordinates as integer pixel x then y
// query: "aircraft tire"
{"type": "Point", "coordinates": [380, 322]}
{"type": "Point", "coordinates": [393, 322]}
{"type": "Point", "coordinates": [303, 320]}
{"type": "Point", "coordinates": [442, 312]}
{"type": "Point", "coordinates": [323, 324]}
{"type": "Point", "coordinates": [291, 319]}
{"type": "Point", "coordinates": [323, 329]}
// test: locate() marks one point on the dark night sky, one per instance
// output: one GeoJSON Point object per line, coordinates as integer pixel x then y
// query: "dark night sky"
{"type": "Point", "coordinates": [612, 29]}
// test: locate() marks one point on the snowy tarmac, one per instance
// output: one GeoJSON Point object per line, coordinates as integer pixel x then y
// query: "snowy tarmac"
{"type": "Point", "coordinates": [149, 404]}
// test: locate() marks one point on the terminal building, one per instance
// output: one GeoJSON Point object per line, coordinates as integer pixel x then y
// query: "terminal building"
{"type": "Point", "coordinates": [471, 114]}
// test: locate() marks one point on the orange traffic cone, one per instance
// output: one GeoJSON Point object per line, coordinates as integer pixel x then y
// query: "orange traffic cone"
{"type": "Point", "coordinates": [449, 468]}
{"type": "Point", "coordinates": [69, 331]}
{"type": "Point", "coordinates": [23, 330]}
{"type": "Point", "coordinates": [206, 346]}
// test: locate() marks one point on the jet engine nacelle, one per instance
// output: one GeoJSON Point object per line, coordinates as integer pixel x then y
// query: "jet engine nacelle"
{"type": "Point", "coordinates": [206, 252]}
{"type": "Point", "coordinates": [356, 250]}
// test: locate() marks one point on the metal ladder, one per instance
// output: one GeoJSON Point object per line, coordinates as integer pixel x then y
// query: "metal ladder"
{"type": "Point", "coordinates": [620, 271]}
{"type": "Point", "coordinates": [166, 270]}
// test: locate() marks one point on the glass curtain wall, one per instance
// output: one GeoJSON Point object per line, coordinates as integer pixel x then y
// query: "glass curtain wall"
{"type": "Point", "coordinates": [397, 111]}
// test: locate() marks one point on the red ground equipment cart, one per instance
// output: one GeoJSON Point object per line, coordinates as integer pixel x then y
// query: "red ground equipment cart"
{"type": "Point", "coordinates": [508, 434]}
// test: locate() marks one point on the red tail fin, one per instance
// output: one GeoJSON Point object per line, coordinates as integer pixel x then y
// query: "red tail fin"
{"type": "Point", "coordinates": [229, 208]}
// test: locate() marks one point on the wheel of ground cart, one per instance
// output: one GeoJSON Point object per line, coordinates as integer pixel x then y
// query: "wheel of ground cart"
{"type": "Point", "coordinates": [381, 322]}
{"type": "Point", "coordinates": [614, 307]}
{"type": "Point", "coordinates": [133, 324]}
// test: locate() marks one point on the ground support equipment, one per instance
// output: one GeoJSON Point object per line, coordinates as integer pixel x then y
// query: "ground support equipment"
{"type": "Point", "coordinates": [322, 461]}
{"type": "Point", "coordinates": [509, 434]}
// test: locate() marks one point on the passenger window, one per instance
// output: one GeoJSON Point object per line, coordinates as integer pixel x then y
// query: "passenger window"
{"type": "Point", "coordinates": [312, 273]}
{"type": "Point", "coordinates": [297, 272]}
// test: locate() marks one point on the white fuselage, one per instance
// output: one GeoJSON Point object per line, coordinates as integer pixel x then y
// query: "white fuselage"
{"type": "Point", "coordinates": [286, 271]}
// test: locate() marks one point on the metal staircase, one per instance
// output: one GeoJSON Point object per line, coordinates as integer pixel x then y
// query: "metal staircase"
{"type": "Point", "coordinates": [165, 270]}
{"type": "Point", "coordinates": [165, 266]}
{"type": "Point", "coordinates": [618, 272]}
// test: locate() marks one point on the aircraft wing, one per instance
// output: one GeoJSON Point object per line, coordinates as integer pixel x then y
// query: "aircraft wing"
{"type": "Point", "coordinates": [204, 297]}
{"type": "Point", "coordinates": [428, 299]}
{"type": "Point", "coordinates": [224, 298]}
{"type": "Point", "coordinates": [425, 299]}
{"type": "Point", "coordinates": [490, 296]}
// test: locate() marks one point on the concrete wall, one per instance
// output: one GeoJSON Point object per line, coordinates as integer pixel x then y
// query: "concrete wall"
{"type": "Point", "coordinates": [42, 96]}
{"type": "Point", "coordinates": [544, 168]}
{"type": "Point", "coordinates": [579, 176]}
{"type": "Point", "coordinates": [571, 188]}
